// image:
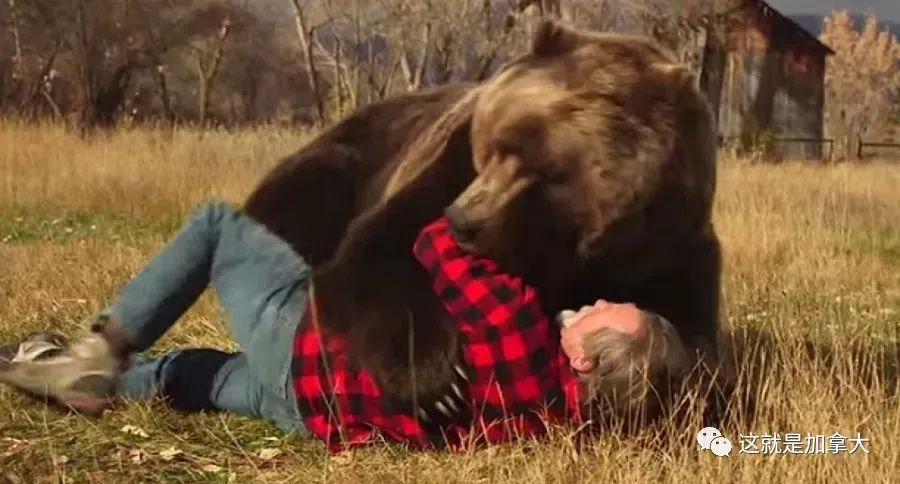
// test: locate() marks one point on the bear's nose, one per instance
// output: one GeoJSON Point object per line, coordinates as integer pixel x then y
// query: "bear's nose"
{"type": "Point", "coordinates": [463, 227]}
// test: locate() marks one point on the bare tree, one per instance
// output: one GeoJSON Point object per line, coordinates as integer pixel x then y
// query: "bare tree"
{"type": "Point", "coordinates": [34, 41]}
{"type": "Point", "coordinates": [160, 38]}
{"type": "Point", "coordinates": [208, 69]}
{"type": "Point", "coordinates": [105, 59]}
{"type": "Point", "coordinates": [305, 35]}
{"type": "Point", "coordinates": [211, 58]}
{"type": "Point", "coordinates": [414, 59]}
{"type": "Point", "coordinates": [110, 44]}
{"type": "Point", "coordinates": [16, 39]}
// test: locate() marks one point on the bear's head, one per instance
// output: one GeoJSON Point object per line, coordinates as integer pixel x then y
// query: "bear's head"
{"type": "Point", "coordinates": [571, 142]}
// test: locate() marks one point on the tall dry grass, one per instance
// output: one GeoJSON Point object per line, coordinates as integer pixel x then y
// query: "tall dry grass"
{"type": "Point", "coordinates": [134, 172]}
{"type": "Point", "coordinates": [811, 294]}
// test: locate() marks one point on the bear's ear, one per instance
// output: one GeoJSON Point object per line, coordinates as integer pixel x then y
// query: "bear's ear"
{"type": "Point", "coordinates": [590, 246]}
{"type": "Point", "coordinates": [554, 37]}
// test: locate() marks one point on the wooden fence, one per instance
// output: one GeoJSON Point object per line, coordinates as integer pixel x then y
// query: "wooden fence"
{"type": "Point", "coordinates": [861, 147]}
{"type": "Point", "coordinates": [827, 145]}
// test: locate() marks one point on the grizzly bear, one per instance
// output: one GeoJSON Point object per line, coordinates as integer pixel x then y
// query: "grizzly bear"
{"type": "Point", "coordinates": [586, 166]}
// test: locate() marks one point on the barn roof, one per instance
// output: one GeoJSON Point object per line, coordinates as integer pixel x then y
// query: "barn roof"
{"type": "Point", "coordinates": [807, 37]}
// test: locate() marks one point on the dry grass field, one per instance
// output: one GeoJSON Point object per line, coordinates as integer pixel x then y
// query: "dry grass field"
{"type": "Point", "coordinates": [811, 287]}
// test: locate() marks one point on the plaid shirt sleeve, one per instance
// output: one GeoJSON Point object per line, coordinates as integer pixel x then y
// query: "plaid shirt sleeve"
{"type": "Point", "coordinates": [513, 358]}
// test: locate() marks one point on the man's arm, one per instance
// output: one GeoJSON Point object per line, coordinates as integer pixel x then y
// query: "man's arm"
{"type": "Point", "coordinates": [472, 288]}
{"type": "Point", "coordinates": [511, 352]}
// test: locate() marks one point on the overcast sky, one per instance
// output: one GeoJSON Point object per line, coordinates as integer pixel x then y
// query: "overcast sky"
{"type": "Point", "coordinates": [884, 9]}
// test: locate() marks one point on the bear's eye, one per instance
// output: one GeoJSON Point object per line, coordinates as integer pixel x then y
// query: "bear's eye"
{"type": "Point", "coordinates": [553, 175]}
{"type": "Point", "coordinates": [502, 147]}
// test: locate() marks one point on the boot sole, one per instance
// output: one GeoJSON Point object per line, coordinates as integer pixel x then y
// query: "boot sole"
{"type": "Point", "coordinates": [89, 393]}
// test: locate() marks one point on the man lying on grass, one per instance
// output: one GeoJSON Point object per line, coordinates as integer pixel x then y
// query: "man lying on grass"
{"type": "Point", "coordinates": [517, 377]}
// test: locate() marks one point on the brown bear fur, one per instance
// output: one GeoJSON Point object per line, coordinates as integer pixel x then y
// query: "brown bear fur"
{"type": "Point", "coordinates": [587, 166]}
{"type": "Point", "coordinates": [374, 291]}
{"type": "Point", "coordinates": [311, 195]}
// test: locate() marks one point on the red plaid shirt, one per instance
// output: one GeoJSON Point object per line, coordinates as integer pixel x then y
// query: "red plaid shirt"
{"type": "Point", "coordinates": [518, 379]}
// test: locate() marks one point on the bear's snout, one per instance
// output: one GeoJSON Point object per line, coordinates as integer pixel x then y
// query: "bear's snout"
{"type": "Point", "coordinates": [464, 228]}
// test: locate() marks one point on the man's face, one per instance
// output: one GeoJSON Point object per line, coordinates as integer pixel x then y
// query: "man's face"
{"type": "Point", "coordinates": [624, 318]}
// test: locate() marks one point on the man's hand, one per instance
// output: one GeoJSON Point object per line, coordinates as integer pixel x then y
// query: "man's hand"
{"type": "Point", "coordinates": [577, 327]}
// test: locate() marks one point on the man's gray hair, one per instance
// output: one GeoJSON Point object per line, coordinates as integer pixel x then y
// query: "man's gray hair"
{"type": "Point", "coordinates": [630, 369]}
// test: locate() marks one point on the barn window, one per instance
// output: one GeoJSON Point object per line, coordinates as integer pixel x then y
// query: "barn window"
{"type": "Point", "coordinates": [798, 62]}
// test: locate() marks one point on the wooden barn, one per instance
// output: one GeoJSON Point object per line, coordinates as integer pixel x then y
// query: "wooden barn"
{"type": "Point", "coordinates": [768, 79]}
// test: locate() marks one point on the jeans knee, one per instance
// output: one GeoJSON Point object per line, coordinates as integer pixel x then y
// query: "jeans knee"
{"type": "Point", "coordinates": [189, 378]}
{"type": "Point", "coordinates": [213, 211]}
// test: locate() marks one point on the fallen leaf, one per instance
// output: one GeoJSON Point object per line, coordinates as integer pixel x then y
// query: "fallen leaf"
{"type": "Point", "coordinates": [211, 468]}
{"type": "Point", "coordinates": [169, 454]}
{"type": "Point", "coordinates": [269, 454]}
{"type": "Point", "coordinates": [342, 459]}
{"type": "Point", "coordinates": [15, 445]}
{"type": "Point", "coordinates": [11, 478]}
{"type": "Point", "coordinates": [131, 429]}
{"type": "Point", "coordinates": [137, 456]}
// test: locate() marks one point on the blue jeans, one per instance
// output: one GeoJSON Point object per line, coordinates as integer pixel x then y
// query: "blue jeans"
{"type": "Point", "coordinates": [262, 285]}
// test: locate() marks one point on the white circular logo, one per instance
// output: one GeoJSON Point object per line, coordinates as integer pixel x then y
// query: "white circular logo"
{"type": "Point", "coordinates": [706, 435]}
